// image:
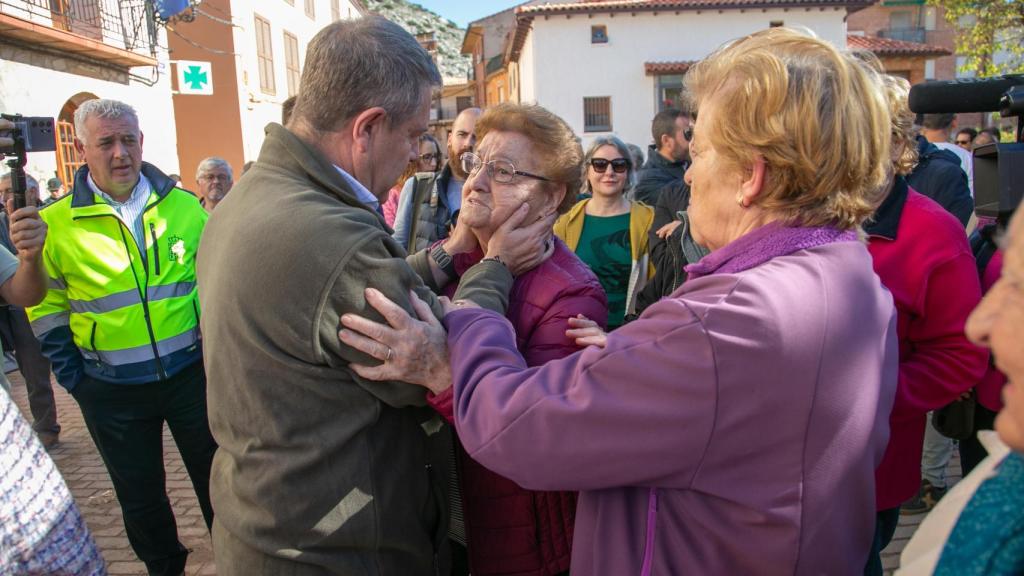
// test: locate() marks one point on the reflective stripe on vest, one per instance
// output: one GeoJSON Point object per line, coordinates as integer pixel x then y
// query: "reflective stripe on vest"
{"type": "Point", "coordinates": [143, 353]}
{"type": "Point", "coordinates": [46, 323]}
{"type": "Point", "coordinates": [112, 302]}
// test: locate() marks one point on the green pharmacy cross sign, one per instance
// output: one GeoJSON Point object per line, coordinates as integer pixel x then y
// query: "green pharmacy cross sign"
{"type": "Point", "coordinates": [194, 77]}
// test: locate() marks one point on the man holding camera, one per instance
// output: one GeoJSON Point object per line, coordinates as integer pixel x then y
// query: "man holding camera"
{"type": "Point", "coordinates": [120, 323]}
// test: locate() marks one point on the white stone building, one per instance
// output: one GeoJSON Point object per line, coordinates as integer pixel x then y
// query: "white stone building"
{"type": "Point", "coordinates": [56, 55]}
{"type": "Point", "coordinates": [610, 66]}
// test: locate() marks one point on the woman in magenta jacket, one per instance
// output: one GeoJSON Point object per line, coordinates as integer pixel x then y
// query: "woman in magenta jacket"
{"type": "Point", "coordinates": [734, 428]}
{"type": "Point", "coordinates": [510, 530]}
{"type": "Point", "coordinates": [921, 254]}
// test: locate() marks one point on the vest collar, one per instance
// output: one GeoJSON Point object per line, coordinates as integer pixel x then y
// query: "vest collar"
{"type": "Point", "coordinates": [82, 194]}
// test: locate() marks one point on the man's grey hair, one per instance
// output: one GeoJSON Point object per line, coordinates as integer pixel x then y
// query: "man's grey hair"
{"type": "Point", "coordinates": [30, 182]}
{"type": "Point", "coordinates": [354, 65]}
{"type": "Point", "coordinates": [102, 108]}
{"type": "Point", "coordinates": [213, 162]}
{"type": "Point", "coordinates": [623, 149]}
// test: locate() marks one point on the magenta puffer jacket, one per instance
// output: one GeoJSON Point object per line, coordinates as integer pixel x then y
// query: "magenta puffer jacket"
{"type": "Point", "coordinates": [512, 531]}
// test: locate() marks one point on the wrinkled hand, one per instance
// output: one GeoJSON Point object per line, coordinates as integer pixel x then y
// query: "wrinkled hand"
{"type": "Point", "coordinates": [28, 231]}
{"type": "Point", "coordinates": [523, 247]}
{"type": "Point", "coordinates": [667, 230]}
{"type": "Point", "coordinates": [413, 351]}
{"type": "Point", "coordinates": [586, 332]}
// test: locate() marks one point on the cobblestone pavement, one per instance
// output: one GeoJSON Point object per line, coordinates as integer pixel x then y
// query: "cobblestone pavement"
{"type": "Point", "coordinates": [83, 470]}
{"type": "Point", "coordinates": [78, 461]}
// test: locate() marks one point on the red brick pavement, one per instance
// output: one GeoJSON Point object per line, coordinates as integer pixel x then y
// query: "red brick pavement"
{"type": "Point", "coordinates": [78, 461]}
{"type": "Point", "coordinates": [83, 470]}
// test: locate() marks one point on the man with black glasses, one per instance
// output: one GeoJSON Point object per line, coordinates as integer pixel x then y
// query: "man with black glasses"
{"type": "Point", "coordinates": [667, 158]}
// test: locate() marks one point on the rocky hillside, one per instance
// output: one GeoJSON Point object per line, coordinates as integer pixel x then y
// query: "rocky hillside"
{"type": "Point", "coordinates": [417, 20]}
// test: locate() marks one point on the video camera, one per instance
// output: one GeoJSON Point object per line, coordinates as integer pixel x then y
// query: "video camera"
{"type": "Point", "coordinates": [998, 168]}
{"type": "Point", "coordinates": [30, 134]}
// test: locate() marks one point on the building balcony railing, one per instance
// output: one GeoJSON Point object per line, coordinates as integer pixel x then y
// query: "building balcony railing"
{"type": "Point", "coordinates": [119, 32]}
{"type": "Point", "coordinates": [912, 34]}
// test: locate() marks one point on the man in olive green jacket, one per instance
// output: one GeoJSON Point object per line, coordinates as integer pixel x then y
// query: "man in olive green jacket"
{"type": "Point", "coordinates": [319, 471]}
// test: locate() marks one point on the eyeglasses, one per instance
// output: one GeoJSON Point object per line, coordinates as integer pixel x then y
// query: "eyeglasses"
{"type": "Point", "coordinates": [429, 157]}
{"type": "Point", "coordinates": [619, 165]}
{"type": "Point", "coordinates": [964, 142]}
{"type": "Point", "coordinates": [500, 170]}
{"type": "Point", "coordinates": [213, 177]}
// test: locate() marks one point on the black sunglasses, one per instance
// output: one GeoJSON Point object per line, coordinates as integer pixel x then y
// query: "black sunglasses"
{"type": "Point", "coordinates": [619, 165]}
{"type": "Point", "coordinates": [688, 134]}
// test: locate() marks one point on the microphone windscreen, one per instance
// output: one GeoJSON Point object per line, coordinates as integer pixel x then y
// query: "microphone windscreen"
{"type": "Point", "coordinates": [963, 95]}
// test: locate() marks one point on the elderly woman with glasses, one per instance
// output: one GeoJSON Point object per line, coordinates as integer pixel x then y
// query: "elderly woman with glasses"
{"type": "Point", "coordinates": [735, 426]}
{"type": "Point", "coordinates": [608, 231]}
{"type": "Point", "coordinates": [525, 156]}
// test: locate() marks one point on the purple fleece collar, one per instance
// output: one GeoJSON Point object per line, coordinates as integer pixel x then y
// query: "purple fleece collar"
{"type": "Point", "coordinates": [769, 241]}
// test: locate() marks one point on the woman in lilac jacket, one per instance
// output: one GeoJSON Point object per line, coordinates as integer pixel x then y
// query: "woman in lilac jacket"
{"type": "Point", "coordinates": [734, 428]}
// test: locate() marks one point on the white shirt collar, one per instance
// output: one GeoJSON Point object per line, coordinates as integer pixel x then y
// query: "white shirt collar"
{"type": "Point", "coordinates": [364, 195]}
{"type": "Point", "coordinates": [141, 187]}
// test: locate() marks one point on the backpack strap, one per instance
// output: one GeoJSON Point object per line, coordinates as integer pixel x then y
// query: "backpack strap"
{"type": "Point", "coordinates": [423, 187]}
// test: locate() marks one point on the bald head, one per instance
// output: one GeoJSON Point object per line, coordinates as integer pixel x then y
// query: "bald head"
{"type": "Point", "coordinates": [462, 139]}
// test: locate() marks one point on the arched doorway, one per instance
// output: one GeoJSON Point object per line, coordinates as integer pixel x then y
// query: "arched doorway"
{"type": "Point", "coordinates": [68, 160]}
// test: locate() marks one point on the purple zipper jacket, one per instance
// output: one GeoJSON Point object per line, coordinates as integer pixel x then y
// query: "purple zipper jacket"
{"type": "Point", "coordinates": [734, 428]}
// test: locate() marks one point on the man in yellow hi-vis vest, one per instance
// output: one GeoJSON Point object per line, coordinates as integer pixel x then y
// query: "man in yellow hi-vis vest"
{"type": "Point", "coordinates": [120, 323]}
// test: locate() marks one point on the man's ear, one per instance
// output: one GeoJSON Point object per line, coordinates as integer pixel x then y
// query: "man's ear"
{"type": "Point", "coordinates": [79, 147]}
{"type": "Point", "coordinates": [365, 125]}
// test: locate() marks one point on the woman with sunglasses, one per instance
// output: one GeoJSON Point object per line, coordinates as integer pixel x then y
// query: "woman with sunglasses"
{"type": "Point", "coordinates": [429, 160]}
{"type": "Point", "coordinates": [608, 231]}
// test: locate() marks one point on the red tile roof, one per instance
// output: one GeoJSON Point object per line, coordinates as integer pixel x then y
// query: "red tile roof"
{"type": "Point", "coordinates": [526, 13]}
{"type": "Point", "coordinates": [657, 68]}
{"type": "Point", "coordinates": [584, 6]}
{"type": "Point", "coordinates": [889, 47]}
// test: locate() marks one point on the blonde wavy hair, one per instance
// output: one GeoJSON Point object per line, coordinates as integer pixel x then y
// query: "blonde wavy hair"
{"type": "Point", "coordinates": [904, 142]}
{"type": "Point", "coordinates": [554, 142]}
{"type": "Point", "coordinates": [814, 113]}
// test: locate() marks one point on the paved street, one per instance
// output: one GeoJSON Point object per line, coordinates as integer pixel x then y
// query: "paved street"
{"type": "Point", "coordinates": [78, 461]}
{"type": "Point", "coordinates": [83, 470]}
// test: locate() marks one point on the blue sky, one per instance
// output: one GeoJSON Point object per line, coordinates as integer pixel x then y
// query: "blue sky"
{"type": "Point", "coordinates": [462, 12]}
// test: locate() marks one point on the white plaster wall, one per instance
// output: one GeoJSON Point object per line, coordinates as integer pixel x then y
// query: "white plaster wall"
{"type": "Point", "coordinates": [528, 71]}
{"type": "Point", "coordinates": [257, 107]}
{"type": "Point", "coordinates": [572, 68]}
{"type": "Point", "coordinates": [40, 91]}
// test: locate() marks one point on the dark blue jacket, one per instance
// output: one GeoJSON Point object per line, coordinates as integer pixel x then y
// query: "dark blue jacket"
{"type": "Point", "coordinates": [939, 176]}
{"type": "Point", "coordinates": [656, 174]}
